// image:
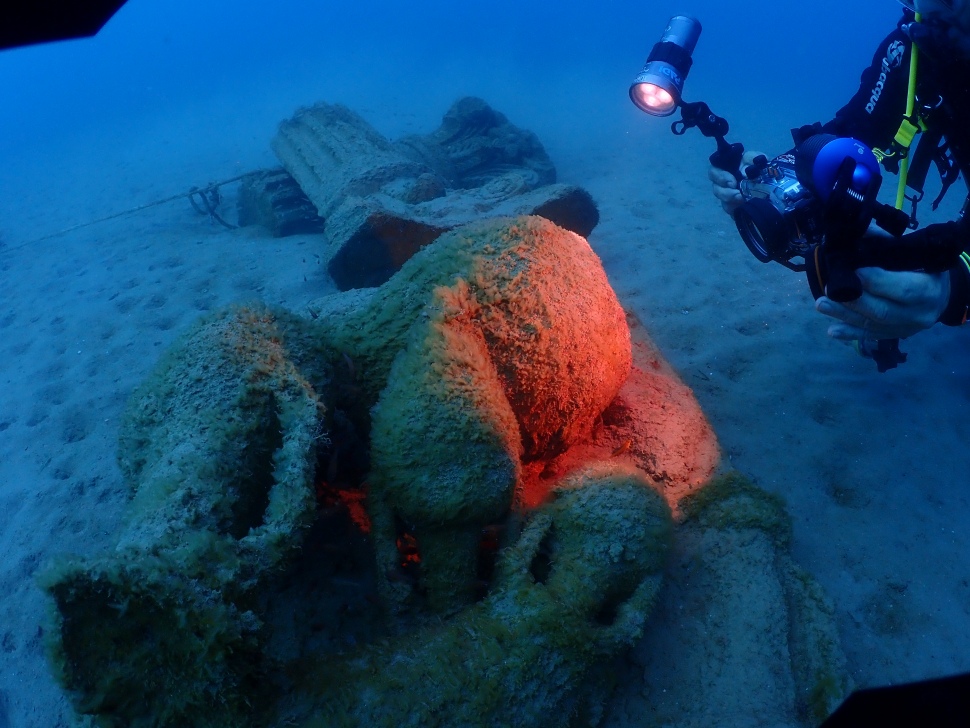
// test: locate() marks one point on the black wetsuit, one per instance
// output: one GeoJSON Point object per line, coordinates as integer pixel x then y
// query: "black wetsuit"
{"type": "Point", "coordinates": [874, 113]}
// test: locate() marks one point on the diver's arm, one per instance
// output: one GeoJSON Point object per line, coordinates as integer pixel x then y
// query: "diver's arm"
{"type": "Point", "coordinates": [908, 283]}
{"type": "Point", "coordinates": [874, 125]}
{"type": "Point", "coordinates": [940, 248]}
{"type": "Point", "coordinates": [957, 308]}
{"type": "Point", "coordinates": [948, 240]}
{"type": "Point", "coordinates": [874, 112]}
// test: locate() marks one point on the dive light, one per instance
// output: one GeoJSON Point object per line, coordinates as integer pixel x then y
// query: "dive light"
{"type": "Point", "coordinates": [657, 88]}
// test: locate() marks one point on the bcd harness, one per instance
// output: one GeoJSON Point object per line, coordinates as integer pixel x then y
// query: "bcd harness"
{"type": "Point", "coordinates": [932, 148]}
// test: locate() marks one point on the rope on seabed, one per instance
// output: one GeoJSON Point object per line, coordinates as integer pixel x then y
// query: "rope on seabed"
{"type": "Point", "coordinates": [209, 200]}
{"type": "Point", "coordinates": [208, 195]}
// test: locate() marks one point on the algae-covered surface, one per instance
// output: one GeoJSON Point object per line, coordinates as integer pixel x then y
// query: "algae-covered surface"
{"type": "Point", "coordinates": [844, 533]}
{"type": "Point", "coordinates": [509, 553]}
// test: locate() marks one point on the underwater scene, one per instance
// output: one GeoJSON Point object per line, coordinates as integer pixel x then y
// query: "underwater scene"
{"type": "Point", "coordinates": [393, 364]}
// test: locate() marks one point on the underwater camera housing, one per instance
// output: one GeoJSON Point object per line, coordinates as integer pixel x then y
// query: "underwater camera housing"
{"type": "Point", "coordinates": [815, 203]}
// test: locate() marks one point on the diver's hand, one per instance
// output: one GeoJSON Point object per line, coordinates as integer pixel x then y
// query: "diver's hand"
{"type": "Point", "coordinates": [893, 305]}
{"type": "Point", "coordinates": [726, 187]}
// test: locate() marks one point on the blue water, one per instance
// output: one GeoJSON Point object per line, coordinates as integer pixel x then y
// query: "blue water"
{"type": "Point", "coordinates": [202, 85]}
{"type": "Point", "coordinates": [155, 54]}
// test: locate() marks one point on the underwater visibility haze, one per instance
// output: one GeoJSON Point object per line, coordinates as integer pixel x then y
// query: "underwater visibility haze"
{"type": "Point", "coordinates": [382, 364]}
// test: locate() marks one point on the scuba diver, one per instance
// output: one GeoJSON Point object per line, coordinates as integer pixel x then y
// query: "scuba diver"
{"type": "Point", "coordinates": [898, 304]}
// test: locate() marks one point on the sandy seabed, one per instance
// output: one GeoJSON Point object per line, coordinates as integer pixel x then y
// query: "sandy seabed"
{"type": "Point", "coordinates": [873, 466]}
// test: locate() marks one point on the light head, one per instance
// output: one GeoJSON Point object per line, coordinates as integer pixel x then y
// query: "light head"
{"type": "Point", "coordinates": [657, 88]}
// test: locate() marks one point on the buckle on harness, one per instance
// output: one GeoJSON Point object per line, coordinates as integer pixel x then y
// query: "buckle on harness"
{"type": "Point", "coordinates": [914, 200]}
{"type": "Point", "coordinates": [909, 127]}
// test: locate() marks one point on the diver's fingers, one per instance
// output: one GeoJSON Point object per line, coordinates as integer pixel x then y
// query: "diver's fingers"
{"type": "Point", "coordinates": [903, 286]}
{"type": "Point", "coordinates": [874, 317]}
{"type": "Point", "coordinates": [749, 157]}
{"type": "Point", "coordinates": [730, 199]}
{"type": "Point", "coordinates": [858, 314]}
{"type": "Point", "coordinates": [721, 178]}
{"type": "Point", "coordinates": [727, 195]}
{"type": "Point", "coordinates": [844, 332]}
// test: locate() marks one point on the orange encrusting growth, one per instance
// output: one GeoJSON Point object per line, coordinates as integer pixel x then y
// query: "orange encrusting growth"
{"type": "Point", "coordinates": [353, 499]}
{"type": "Point", "coordinates": [654, 422]}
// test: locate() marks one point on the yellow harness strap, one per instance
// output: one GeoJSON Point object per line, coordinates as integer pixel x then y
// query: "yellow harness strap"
{"type": "Point", "coordinates": [907, 130]}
